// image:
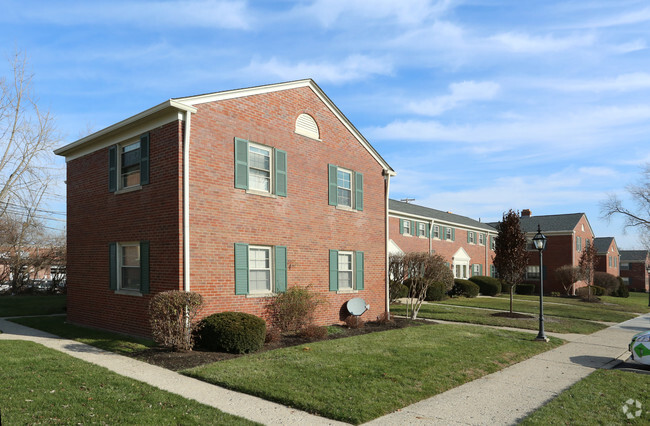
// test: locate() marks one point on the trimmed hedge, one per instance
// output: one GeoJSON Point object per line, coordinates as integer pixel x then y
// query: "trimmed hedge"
{"type": "Point", "coordinates": [464, 288]}
{"type": "Point", "coordinates": [488, 286]}
{"type": "Point", "coordinates": [525, 289]}
{"type": "Point", "coordinates": [234, 332]}
{"type": "Point", "coordinates": [436, 292]}
{"type": "Point", "coordinates": [622, 290]}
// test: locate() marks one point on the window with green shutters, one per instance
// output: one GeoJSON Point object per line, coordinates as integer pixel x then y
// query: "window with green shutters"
{"type": "Point", "coordinates": [260, 270]}
{"type": "Point", "coordinates": [345, 188]}
{"type": "Point", "coordinates": [346, 270]}
{"type": "Point", "coordinates": [260, 168]}
{"type": "Point", "coordinates": [129, 266]}
{"type": "Point", "coordinates": [128, 164]}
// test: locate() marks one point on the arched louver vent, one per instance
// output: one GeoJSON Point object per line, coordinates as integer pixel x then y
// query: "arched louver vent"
{"type": "Point", "coordinates": [306, 126]}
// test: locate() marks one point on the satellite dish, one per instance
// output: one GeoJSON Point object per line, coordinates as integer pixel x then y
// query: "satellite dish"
{"type": "Point", "coordinates": [357, 306]}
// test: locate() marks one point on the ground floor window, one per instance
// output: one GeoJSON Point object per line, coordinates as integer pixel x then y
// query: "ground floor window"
{"type": "Point", "coordinates": [346, 270]}
{"type": "Point", "coordinates": [129, 266]}
{"type": "Point", "coordinates": [260, 270]}
{"type": "Point", "coordinates": [461, 270]}
{"type": "Point", "coordinates": [532, 272]}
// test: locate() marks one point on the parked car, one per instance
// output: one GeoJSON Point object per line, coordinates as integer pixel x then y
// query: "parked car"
{"type": "Point", "coordinates": [640, 347]}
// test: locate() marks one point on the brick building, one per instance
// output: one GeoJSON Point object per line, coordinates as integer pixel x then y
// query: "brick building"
{"type": "Point", "coordinates": [465, 243]}
{"type": "Point", "coordinates": [236, 195]}
{"type": "Point", "coordinates": [634, 269]}
{"type": "Point", "coordinates": [608, 255]}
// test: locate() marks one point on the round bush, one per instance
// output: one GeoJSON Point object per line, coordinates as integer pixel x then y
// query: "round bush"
{"type": "Point", "coordinates": [464, 288]}
{"type": "Point", "coordinates": [436, 292]}
{"type": "Point", "coordinates": [597, 290]}
{"type": "Point", "coordinates": [622, 290]}
{"type": "Point", "coordinates": [525, 289]}
{"type": "Point", "coordinates": [488, 286]}
{"type": "Point", "coordinates": [234, 332]}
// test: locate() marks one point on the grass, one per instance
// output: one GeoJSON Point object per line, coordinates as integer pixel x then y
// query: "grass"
{"type": "Point", "coordinates": [11, 306]}
{"type": "Point", "coordinates": [395, 368]}
{"type": "Point", "coordinates": [597, 399]}
{"type": "Point", "coordinates": [478, 316]}
{"type": "Point", "coordinates": [41, 385]}
{"type": "Point", "coordinates": [636, 303]}
{"type": "Point", "coordinates": [112, 342]}
{"type": "Point", "coordinates": [591, 312]}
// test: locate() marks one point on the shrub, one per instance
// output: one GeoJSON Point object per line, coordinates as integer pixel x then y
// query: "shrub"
{"type": "Point", "coordinates": [234, 332]}
{"type": "Point", "coordinates": [353, 321]}
{"type": "Point", "coordinates": [172, 317]}
{"type": "Point", "coordinates": [488, 286]}
{"type": "Point", "coordinates": [397, 290]}
{"type": "Point", "coordinates": [385, 318]}
{"type": "Point", "coordinates": [464, 288]}
{"type": "Point", "coordinates": [622, 290]}
{"type": "Point", "coordinates": [437, 291]}
{"type": "Point", "coordinates": [597, 290]}
{"type": "Point", "coordinates": [313, 332]}
{"type": "Point", "coordinates": [606, 281]}
{"type": "Point", "coordinates": [524, 288]}
{"type": "Point", "coordinates": [293, 310]}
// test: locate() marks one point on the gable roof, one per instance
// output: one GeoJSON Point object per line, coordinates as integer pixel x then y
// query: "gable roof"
{"type": "Point", "coordinates": [602, 244]}
{"type": "Point", "coordinates": [437, 215]}
{"type": "Point", "coordinates": [186, 105]}
{"type": "Point", "coordinates": [549, 223]}
{"type": "Point", "coordinates": [633, 255]}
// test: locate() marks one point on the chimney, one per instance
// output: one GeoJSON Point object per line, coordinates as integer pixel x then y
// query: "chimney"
{"type": "Point", "coordinates": [526, 213]}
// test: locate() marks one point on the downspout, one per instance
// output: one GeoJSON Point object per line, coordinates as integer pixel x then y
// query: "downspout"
{"type": "Point", "coordinates": [387, 189]}
{"type": "Point", "coordinates": [186, 202]}
{"type": "Point", "coordinates": [430, 232]}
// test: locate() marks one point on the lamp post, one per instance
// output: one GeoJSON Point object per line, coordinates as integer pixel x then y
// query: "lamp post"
{"type": "Point", "coordinates": [539, 240]}
{"type": "Point", "coordinates": [647, 268]}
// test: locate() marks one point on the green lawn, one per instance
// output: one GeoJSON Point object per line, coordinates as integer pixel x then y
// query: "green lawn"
{"type": "Point", "coordinates": [102, 339]}
{"type": "Point", "coordinates": [359, 378]}
{"type": "Point", "coordinates": [478, 316]}
{"type": "Point", "coordinates": [597, 400]}
{"type": "Point", "coordinates": [592, 312]}
{"type": "Point", "coordinates": [11, 306]}
{"type": "Point", "coordinates": [637, 302]}
{"type": "Point", "coordinates": [41, 385]}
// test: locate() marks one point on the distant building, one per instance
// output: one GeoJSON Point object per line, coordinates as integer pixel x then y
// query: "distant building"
{"type": "Point", "coordinates": [634, 269]}
{"type": "Point", "coordinates": [608, 255]}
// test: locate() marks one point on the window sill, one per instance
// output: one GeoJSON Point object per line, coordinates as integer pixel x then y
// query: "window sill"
{"type": "Point", "coordinates": [345, 208]}
{"type": "Point", "coordinates": [126, 292]}
{"type": "Point", "coordinates": [260, 295]}
{"type": "Point", "coordinates": [261, 193]}
{"type": "Point", "coordinates": [347, 291]}
{"type": "Point", "coordinates": [129, 189]}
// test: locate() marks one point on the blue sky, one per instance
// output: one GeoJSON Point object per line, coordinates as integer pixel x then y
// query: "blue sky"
{"type": "Point", "coordinates": [479, 106]}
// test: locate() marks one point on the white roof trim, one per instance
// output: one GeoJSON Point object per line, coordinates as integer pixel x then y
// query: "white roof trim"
{"type": "Point", "coordinates": [398, 214]}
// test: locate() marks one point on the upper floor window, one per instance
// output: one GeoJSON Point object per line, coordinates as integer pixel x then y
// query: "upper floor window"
{"type": "Point", "coordinates": [422, 229]}
{"type": "Point", "coordinates": [625, 266]}
{"type": "Point", "coordinates": [578, 244]}
{"type": "Point", "coordinates": [260, 168]}
{"type": "Point", "coordinates": [306, 126]}
{"type": "Point", "coordinates": [406, 227]}
{"type": "Point", "coordinates": [345, 188]}
{"type": "Point", "coordinates": [128, 164]}
{"type": "Point", "coordinates": [481, 239]}
{"type": "Point", "coordinates": [493, 243]}
{"type": "Point", "coordinates": [449, 234]}
{"type": "Point", "coordinates": [436, 231]}
{"type": "Point", "coordinates": [471, 237]}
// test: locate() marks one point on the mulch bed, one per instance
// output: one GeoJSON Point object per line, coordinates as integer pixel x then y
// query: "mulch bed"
{"type": "Point", "coordinates": [177, 361]}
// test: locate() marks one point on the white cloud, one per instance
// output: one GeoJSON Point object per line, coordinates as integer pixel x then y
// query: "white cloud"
{"type": "Point", "coordinates": [622, 83]}
{"type": "Point", "coordinates": [460, 94]}
{"type": "Point", "coordinates": [519, 42]}
{"type": "Point", "coordinates": [353, 68]}
{"type": "Point", "coordinates": [628, 18]}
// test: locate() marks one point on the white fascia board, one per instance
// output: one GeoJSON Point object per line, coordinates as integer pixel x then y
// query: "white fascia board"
{"type": "Point", "coordinates": [398, 214]}
{"type": "Point", "coordinates": [251, 91]}
{"type": "Point", "coordinates": [132, 127]}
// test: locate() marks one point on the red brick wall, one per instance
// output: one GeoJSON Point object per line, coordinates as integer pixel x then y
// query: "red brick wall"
{"type": "Point", "coordinates": [97, 217]}
{"type": "Point", "coordinates": [637, 275]}
{"type": "Point", "coordinates": [481, 254]}
{"type": "Point", "coordinates": [222, 215]}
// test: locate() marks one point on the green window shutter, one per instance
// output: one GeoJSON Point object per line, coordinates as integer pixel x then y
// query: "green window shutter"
{"type": "Point", "coordinates": [428, 230]}
{"type": "Point", "coordinates": [280, 173]}
{"type": "Point", "coordinates": [453, 234]}
{"type": "Point", "coordinates": [481, 269]}
{"type": "Point", "coordinates": [112, 168]}
{"type": "Point", "coordinates": [334, 270]}
{"type": "Point", "coordinates": [468, 239]}
{"type": "Point", "coordinates": [144, 159]}
{"type": "Point", "coordinates": [358, 269]}
{"type": "Point", "coordinates": [241, 163]}
{"type": "Point", "coordinates": [401, 226]}
{"type": "Point", "coordinates": [414, 228]}
{"type": "Point", "coordinates": [112, 266]}
{"type": "Point", "coordinates": [358, 191]}
{"type": "Point", "coordinates": [447, 264]}
{"type": "Point", "coordinates": [332, 177]}
{"type": "Point", "coordinates": [280, 269]}
{"type": "Point", "coordinates": [443, 233]}
{"type": "Point", "coordinates": [241, 268]}
{"type": "Point", "coordinates": [144, 267]}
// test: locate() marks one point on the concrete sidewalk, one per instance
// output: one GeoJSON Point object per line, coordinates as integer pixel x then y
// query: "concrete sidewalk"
{"type": "Point", "coordinates": [504, 397]}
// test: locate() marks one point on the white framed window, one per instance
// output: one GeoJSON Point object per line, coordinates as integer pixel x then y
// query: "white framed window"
{"type": "Point", "coordinates": [493, 243]}
{"type": "Point", "coordinates": [344, 188]}
{"type": "Point", "coordinates": [129, 266]}
{"type": "Point", "coordinates": [626, 280]}
{"type": "Point", "coordinates": [625, 266]}
{"type": "Point", "coordinates": [476, 269]}
{"type": "Point", "coordinates": [609, 261]}
{"type": "Point", "coordinates": [260, 269]}
{"type": "Point", "coordinates": [130, 165]}
{"type": "Point", "coordinates": [461, 271]}
{"type": "Point", "coordinates": [422, 229]}
{"type": "Point", "coordinates": [345, 270]}
{"type": "Point", "coordinates": [578, 244]}
{"type": "Point", "coordinates": [471, 237]}
{"type": "Point", "coordinates": [448, 234]}
{"type": "Point", "coordinates": [436, 232]}
{"type": "Point", "coordinates": [406, 226]}
{"type": "Point", "coordinates": [259, 168]}
{"type": "Point", "coordinates": [532, 272]}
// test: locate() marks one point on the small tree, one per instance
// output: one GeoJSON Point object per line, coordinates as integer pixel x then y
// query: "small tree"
{"type": "Point", "coordinates": [587, 265]}
{"type": "Point", "coordinates": [567, 276]}
{"type": "Point", "coordinates": [510, 257]}
{"type": "Point", "coordinates": [172, 317]}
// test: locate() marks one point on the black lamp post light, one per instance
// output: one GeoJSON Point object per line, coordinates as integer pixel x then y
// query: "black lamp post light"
{"type": "Point", "coordinates": [539, 240]}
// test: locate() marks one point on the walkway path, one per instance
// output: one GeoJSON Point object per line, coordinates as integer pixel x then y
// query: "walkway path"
{"type": "Point", "coordinates": [504, 397]}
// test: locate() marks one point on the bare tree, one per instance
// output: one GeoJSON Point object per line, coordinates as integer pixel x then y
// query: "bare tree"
{"type": "Point", "coordinates": [567, 276]}
{"type": "Point", "coordinates": [638, 218]}
{"type": "Point", "coordinates": [510, 257]}
{"type": "Point", "coordinates": [587, 264]}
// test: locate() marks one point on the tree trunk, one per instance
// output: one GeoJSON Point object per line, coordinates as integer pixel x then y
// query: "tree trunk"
{"type": "Point", "coordinates": [512, 293]}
